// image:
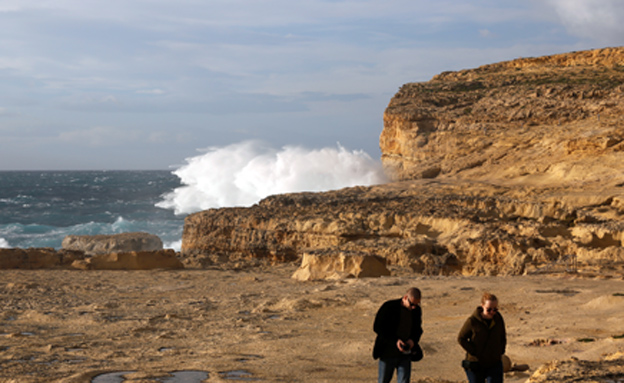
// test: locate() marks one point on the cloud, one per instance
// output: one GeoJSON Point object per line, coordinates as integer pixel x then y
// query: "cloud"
{"type": "Point", "coordinates": [156, 92]}
{"type": "Point", "coordinates": [597, 20]}
{"type": "Point", "coordinates": [4, 112]}
{"type": "Point", "coordinates": [100, 136]}
{"type": "Point", "coordinates": [320, 96]}
{"type": "Point", "coordinates": [94, 103]}
{"type": "Point", "coordinates": [313, 71]}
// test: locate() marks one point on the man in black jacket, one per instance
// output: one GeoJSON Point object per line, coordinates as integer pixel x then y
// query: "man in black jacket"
{"type": "Point", "coordinates": [398, 325]}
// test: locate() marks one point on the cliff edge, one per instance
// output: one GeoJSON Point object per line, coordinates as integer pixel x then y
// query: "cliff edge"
{"type": "Point", "coordinates": [555, 120]}
{"type": "Point", "coordinates": [507, 169]}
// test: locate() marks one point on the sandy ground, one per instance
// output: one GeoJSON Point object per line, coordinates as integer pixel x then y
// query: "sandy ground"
{"type": "Point", "coordinates": [259, 324]}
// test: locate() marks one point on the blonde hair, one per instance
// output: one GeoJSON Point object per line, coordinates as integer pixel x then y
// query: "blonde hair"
{"type": "Point", "coordinates": [488, 297]}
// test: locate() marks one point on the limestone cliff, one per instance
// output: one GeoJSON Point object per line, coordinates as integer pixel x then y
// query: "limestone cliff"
{"type": "Point", "coordinates": [429, 226]}
{"type": "Point", "coordinates": [547, 119]}
{"type": "Point", "coordinates": [509, 168]}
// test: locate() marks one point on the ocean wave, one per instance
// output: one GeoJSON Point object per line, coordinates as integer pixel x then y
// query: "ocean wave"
{"type": "Point", "coordinates": [244, 173]}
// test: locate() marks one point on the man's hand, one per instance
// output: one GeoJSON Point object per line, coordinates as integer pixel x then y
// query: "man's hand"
{"type": "Point", "coordinates": [405, 346]}
{"type": "Point", "coordinates": [410, 344]}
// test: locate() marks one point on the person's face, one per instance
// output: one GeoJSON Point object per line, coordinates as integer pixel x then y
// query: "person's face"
{"type": "Point", "coordinates": [410, 303]}
{"type": "Point", "coordinates": [490, 308]}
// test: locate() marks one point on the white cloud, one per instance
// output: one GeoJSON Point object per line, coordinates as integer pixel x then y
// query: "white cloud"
{"type": "Point", "coordinates": [8, 112]}
{"type": "Point", "coordinates": [151, 91]}
{"type": "Point", "coordinates": [597, 20]}
{"type": "Point", "coordinates": [160, 67]}
{"type": "Point", "coordinates": [100, 136]}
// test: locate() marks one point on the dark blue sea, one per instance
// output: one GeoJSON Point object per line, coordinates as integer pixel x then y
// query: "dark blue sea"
{"type": "Point", "coordinates": [39, 208]}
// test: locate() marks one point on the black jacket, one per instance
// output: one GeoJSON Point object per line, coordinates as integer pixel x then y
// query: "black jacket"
{"type": "Point", "coordinates": [386, 325]}
{"type": "Point", "coordinates": [483, 343]}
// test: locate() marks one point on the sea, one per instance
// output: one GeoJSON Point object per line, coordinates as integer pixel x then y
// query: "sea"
{"type": "Point", "coordinates": [40, 208]}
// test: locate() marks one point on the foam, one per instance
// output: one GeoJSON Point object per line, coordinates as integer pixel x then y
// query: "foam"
{"type": "Point", "coordinates": [242, 174]}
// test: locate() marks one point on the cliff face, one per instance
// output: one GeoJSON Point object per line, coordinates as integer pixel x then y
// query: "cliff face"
{"type": "Point", "coordinates": [511, 168]}
{"type": "Point", "coordinates": [555, 119]}
{"type": "Point", "coordinates": [427, 226]}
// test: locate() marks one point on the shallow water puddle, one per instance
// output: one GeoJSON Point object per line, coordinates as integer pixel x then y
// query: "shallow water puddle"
{"type": "Point", "coordinates": [186, 377]}
{"type": "Point", "coordinates": [112, 377]}
{"type": "Point", "coordinates": [177, 377]}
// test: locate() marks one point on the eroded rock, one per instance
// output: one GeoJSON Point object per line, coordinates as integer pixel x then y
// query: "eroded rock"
{"type": "Point", "coordinates": [609, 369]}
{"type": "Point", "coordinates": [431, 226]}
{"type": "Point", "coordinates": [134, 260]}
{"type": "Point", "coordinates": [548, 119]}
{"type": "Point", "coordinates": [105, 244]}
{"type": "Point", "coordinates": [333, 265]}
{"type": "Point", "coordinates": [38, 258]}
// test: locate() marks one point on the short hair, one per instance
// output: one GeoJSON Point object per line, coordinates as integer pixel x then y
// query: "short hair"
{"type": "Point", "coordinates": [488, 297]}
{"type": "Point", "coordinates": [413, 293]}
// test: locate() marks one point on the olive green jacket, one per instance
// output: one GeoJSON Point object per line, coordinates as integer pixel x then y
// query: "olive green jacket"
{"type": "Point", "coordinates": [483, 343]}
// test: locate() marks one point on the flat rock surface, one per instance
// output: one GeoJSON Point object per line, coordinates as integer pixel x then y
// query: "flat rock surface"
{"type": "Point", "coordinates": [258, 323]}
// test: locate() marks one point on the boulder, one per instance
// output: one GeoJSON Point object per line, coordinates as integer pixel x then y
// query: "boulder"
{"type": "Point", "coordinates": [133, 260]}
{"type": "Point", "coordinates": [105, 244]}
{"type": "Point", "coordinates": [339, 265]}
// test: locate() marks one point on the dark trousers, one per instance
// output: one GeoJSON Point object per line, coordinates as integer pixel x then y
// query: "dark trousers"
{"type": "Point", "coordinates": [483, 374]}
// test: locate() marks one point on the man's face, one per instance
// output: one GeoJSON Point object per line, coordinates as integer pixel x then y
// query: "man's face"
{"type": "Point", "coordinates": [410, 303]}
{"type": "Point", "coordinates": [490, 308]}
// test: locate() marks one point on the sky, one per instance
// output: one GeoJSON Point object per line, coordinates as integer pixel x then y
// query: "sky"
{"type": "Point", "coordinates": [141, 85]}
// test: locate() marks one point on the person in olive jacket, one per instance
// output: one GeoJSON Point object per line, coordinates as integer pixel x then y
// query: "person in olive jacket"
{"type": "Point", "coordinates": [398, 325]}
{"type": "Point", "coordinates": [484, 339]}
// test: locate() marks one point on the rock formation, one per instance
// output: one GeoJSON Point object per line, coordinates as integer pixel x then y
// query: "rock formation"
{"type": "Point", "coordinates": [609, 369]}
{"type": "Point", "coordinates": [428, 226]}
{"type": "Point", "coordinates": [326, 265]}
{"type": "Point", "coordinates": [510, 168]}
{"type": "Point", "coordinates": [555, 119]}
{"type": "Point", "coordinates": [38, 258]}
{"type": "Point", "coordinates": [105, 244]}
{"type": "Point", "coordinates": [49, 258]}
{"type": "Point", "coordinates": [134, 260]}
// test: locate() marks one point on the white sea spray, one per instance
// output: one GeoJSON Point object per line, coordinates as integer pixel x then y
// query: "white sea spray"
{"type": "Point", "coordinates": [244, 173]}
